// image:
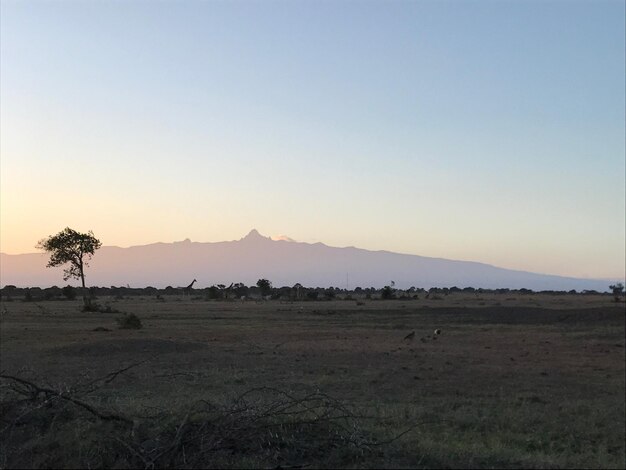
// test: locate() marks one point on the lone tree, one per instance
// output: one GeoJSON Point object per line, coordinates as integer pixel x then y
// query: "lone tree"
{"type": "Point", "coordinates": [388, 291]}
{"type": "Point", "coordinates": [618, 291]}
{"type": "Point", "coordinates": [264, 286]}
{"type": "Point", "coordinates": [75, 248]}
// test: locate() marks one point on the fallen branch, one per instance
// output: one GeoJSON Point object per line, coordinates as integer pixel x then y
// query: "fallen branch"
{"type": "Point", "coordinates": [269, 425]}
{"type": "Point", "coordinates": [36, 390]}
{"type": "Point", "coordinates": [108, 378]}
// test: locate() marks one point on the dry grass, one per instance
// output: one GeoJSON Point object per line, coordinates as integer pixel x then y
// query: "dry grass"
{"type": "Point", "coordinates": [532, 381]}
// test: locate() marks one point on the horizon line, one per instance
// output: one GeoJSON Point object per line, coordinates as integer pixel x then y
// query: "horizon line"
{"type": "Point", "coordinates": [254, 233]}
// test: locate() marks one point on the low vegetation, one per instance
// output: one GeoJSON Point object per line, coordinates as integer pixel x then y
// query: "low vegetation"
{"type": "Point", "coordinates": [522, 381]}
{"type": "Point", "coordinates": [129, 321]}
{"type": "Point", "coordinates": [260, 425]}
{"type": "Point", "coordinates": [297, 292]}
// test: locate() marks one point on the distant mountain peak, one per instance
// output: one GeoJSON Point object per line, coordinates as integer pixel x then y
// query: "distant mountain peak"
{"type": "Point", "coordinates": [256, 256]}
{"type": "Point", "coordinates": [254, 235]}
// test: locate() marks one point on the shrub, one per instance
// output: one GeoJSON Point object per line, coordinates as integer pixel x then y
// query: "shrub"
{"type": "Point", "coordinates": [387, 293]}
{"type": "Point", "coordinates": [91, 307]}
{"type": "Point", "coordinates": [108, 309]}
{"type": "Point", "coordinates": [312, 295]}
{"type": "Point", "coordinates": [129, 321]}
{"type": "Point", "coordinates": [69, 292]}
{"type": "Point", "coordinates": [96, 307]}
{"type": "Point", "coordinates": [51, 293]}
{"type": "Point", "coordinates": [618, 291]}
{"type": "Point", "coordinates": [212, 293]}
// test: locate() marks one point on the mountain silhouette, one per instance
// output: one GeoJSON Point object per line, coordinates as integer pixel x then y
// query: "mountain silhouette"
{"type": "Point", "coordinates": [283, 261]}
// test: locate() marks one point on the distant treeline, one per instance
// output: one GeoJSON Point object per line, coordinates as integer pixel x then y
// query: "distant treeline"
{"type": "Point", "coordinates": [240, 291]}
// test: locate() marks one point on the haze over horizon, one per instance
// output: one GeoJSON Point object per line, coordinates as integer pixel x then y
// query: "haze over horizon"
{"type": "Point", "coordinates": [254, 233]}
{"type": "Point", "coordinates": [285, 262]}
{"type": "Point", "coordinates": [483, 131]}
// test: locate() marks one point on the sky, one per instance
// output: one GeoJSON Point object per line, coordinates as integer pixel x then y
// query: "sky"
{"type": "Point", "coordinates": [473, 130]}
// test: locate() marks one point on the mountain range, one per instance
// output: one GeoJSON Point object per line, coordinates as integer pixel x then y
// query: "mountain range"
{"type": "Point", "coordinates": [283, 261]}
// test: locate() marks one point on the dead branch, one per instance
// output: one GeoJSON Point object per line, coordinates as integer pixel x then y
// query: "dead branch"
{"type": "Point", "coordinates": [271, 425]}
{"type": "Point", "coordinates": [108, 378]}
{"type": "Point", "coordinates": [35, 390]}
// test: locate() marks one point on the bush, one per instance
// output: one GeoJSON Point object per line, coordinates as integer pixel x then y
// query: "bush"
{"type": "Point", "coordinates": [69, 292]}
{"type": "Point", "coordinates": [108, 309]}
{"type": "Point", "coordinates": [51, 293]}
{"type": "Point", "coordinates": [387, 293]}
{"type": "Point", "coordinates": [91, 307]}
{"type": "Point", "coordinates": [129, 321]}
{"type": "Point", "coordinates": [212, 293]}
{"type": "Point", "coordinates": [312, 295]}
{"type": "Point", "coordinates": [618, 291]}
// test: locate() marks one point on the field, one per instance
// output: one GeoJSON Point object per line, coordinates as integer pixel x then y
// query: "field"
{"type": "Point", "coordinates": [512, 381]}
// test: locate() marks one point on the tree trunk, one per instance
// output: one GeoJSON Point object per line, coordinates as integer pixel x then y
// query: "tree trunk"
{"type": "Point", "coordinates": [86, 299]}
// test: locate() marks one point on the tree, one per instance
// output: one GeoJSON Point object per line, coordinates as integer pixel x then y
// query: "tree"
{"type": "Point", "coordinates": [618, 290]}
{"type": "Point", "coordinates": [312, 295]}
{"type": "Point", "coordinates": [75, 248]}
{"type": "Point", "coordinates": [387, 293]}
{"type": "Point", "coordinates": [240, 290]}
{"type": "Point", "coordinates": [69, 292]}
{"type": "Point", "coordinates": [330, 293]}
{"type": "Point", "coordinates": [297, 287]}
{"type": "Point", "coordinates": [264, 286]}
{"type": "Point", "coordinates": [213, 293]}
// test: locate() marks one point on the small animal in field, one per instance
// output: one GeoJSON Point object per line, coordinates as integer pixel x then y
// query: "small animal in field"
{"type": "Point", "coordinates": [410, 336]}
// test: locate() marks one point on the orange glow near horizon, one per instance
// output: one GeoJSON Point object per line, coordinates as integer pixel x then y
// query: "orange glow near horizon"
{"type": "Point", "coordinates": [553, 260]}
{"type": "Point", "coordinates": [519, 165]}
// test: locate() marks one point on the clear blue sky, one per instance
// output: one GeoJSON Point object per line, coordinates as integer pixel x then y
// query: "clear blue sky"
{"type": "Point", "coordinates": [490, 131]}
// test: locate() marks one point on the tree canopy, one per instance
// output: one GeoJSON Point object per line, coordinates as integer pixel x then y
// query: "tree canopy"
{"type": "Point", "coordinates": [264, 286]}
{"type": "Point", "coordinates": [70, 246]}
{"type": "Point", "coordinates": [618, 290]}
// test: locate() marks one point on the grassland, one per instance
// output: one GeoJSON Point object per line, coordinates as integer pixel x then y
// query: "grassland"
{"type": "Point", "coordinates": [530, 381]}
